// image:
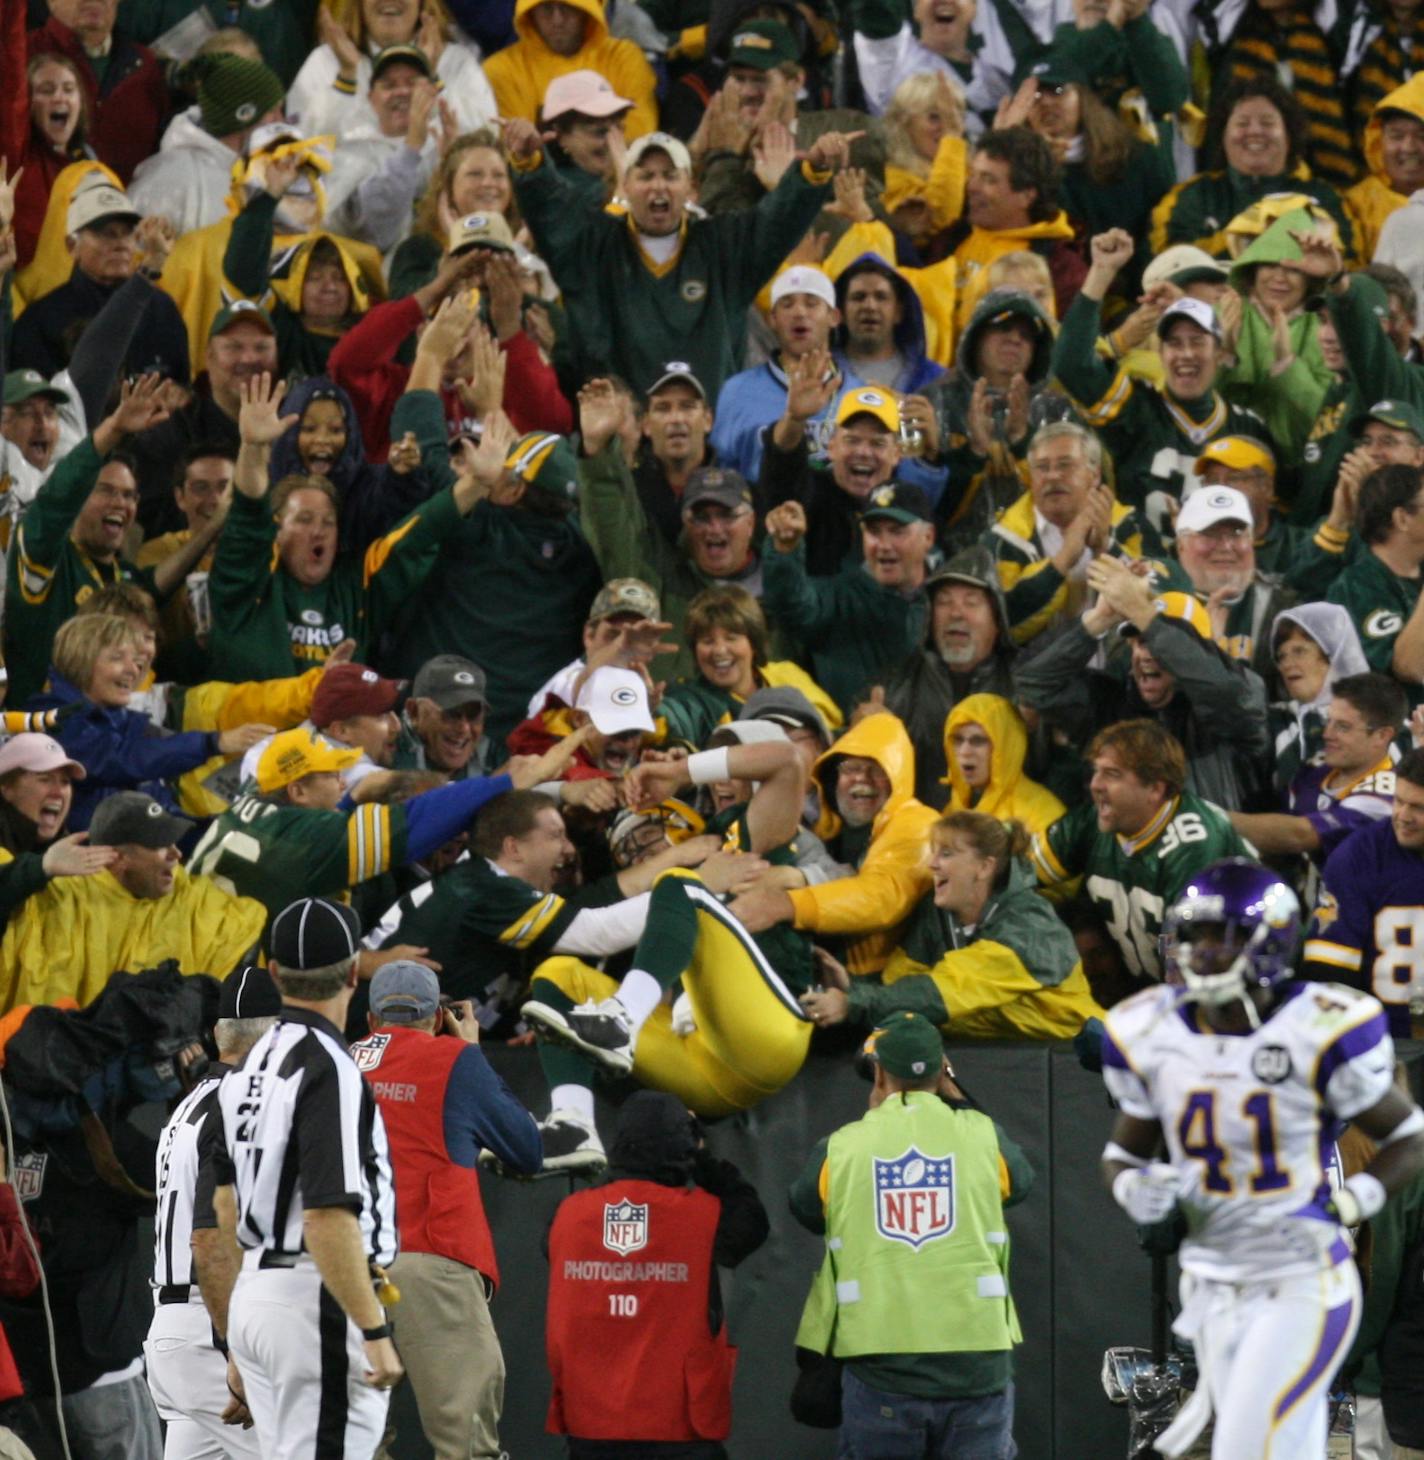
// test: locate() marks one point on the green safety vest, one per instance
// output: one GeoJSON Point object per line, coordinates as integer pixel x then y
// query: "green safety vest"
{"type": "Point", "coordinates": [917, 1255]}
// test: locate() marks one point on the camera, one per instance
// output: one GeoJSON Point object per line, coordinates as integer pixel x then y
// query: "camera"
{"type": "Point", "coordinates": [164, 1054]}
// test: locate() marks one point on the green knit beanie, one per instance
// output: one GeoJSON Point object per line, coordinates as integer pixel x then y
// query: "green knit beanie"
{"type": "Point", "coordinates": [234, 92]}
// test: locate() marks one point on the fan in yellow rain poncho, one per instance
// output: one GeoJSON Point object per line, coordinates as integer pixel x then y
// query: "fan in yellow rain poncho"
{"type": "Point", "coordinates": [1392, 177]}
{"type": "Point", "coordinates": [67, 941]}
{"type": "Point", "coordinates": [983, 955]}
{"type": "Point", "coordinates": [888, 854]}
{"type": "Point", "coordinates": [520, 73]}
{"type": "Point", "coordinates": [1000, 788]}
{"type": "Point", "coordinates": [263, 250]}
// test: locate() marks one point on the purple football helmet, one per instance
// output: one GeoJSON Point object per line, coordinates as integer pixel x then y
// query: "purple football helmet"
{"type": "Point", "coordinates": [1235, 927]}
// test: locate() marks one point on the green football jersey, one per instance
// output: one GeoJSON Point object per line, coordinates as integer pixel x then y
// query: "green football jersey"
{"type": "Point", "coordinates": [788, 951]}
{"type": "Point", "coordinates": [1379, 602]}
{"type": "Point", "coordinates": [487, 930]}
{"type": "Point", "coordinates": [278, 854]}
{"type": "Point", "coordinates": [1133, 880]}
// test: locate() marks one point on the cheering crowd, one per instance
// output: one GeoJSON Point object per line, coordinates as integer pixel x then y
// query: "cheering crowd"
{"type": "Point", "coordinates": [703, 523]}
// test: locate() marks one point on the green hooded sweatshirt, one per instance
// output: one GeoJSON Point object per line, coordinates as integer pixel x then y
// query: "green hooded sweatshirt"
{"type": "Point", "coordinates": [1287, 400]}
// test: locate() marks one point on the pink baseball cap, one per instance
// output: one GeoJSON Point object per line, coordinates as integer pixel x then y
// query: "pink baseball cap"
{"type": "Point", "coordinates": [585, 92]}
{"type": "Point", "coordinates": [33, 752]}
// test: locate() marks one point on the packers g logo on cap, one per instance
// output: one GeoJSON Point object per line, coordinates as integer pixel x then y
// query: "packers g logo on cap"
{"type": "Point", "coordinates": [677, 367]}
{"type": "Point", "coordinates": [870, 398]}
{"type": "Point", "coordinates": [245, 112]}
{"type": "Point", "coordinates": [1221, 499]}
{"type": "Point", "coordinates": [463, 676]}
{"type": "Point", "coordinates": [883, 496]}
{"type": "Point", "coordinates": [153, 809]}
{"type": "Point", "coordinates": [475, 220]}
{"type": "Point", "coordinates": [749, 38]}
{"type": "Point", "coordinates": [369, 676]}
{"type": "Point", "coordinates": [624, 695]}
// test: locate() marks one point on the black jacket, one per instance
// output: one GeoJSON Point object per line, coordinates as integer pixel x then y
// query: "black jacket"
{"type": "Point", "coordinates": [832, 534]}
{"type": "Point", "coordinates": [1218, 712]}
{"type": "Point", "coordinates": [47, 332]}
{"type": "Point", "coordinates": [159, 450]}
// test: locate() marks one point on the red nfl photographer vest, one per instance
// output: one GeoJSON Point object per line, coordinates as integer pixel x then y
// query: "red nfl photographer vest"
{"type": "Point", "coordinates": [630, 1267]}
{"type": "Point", "coordinates": [438, 1205]}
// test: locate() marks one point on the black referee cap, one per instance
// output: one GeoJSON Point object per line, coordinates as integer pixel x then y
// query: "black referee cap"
{"type": "Point", "coordinates": [314, 933]}
{"type": "Point", "coordinates": [248, 993]}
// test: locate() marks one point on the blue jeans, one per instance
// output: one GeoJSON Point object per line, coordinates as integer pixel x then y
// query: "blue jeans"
{"type": "Point", "coordinates": [880, 1426]}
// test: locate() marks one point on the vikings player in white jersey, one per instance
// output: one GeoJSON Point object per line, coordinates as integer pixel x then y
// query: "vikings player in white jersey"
{"type": "Point", "coordinates": [1246, 1077]}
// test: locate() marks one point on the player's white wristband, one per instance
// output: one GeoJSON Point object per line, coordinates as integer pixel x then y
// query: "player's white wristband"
{"type": "Point", "coordinates": [708, 766]}
{"type": "Point", "coordinates": [1359, 1199]}
{"type": "Point", "coordinates": [1114, 1152]}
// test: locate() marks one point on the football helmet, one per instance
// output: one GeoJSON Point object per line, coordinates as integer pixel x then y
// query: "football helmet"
{"type": "Point", "coordinates": [1234, 928]}
{"type": "Point", "coordinates": [635, 835]}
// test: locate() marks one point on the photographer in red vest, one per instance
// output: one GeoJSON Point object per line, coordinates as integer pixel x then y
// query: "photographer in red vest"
{"type": "Point", "coordinates": [636, 1332]}
{"type": "Point", "coordinates": [442, 1103]}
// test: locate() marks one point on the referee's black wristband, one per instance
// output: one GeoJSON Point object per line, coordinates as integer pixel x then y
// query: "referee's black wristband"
{"type": "Point", "coordinates": [381, 1330]}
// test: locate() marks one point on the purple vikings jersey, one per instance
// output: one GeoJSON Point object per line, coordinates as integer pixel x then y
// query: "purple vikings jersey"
{"type": "Point", "coordinates": [1369, 925]}
{"type": "Point", "coordinates": [1336, 807]}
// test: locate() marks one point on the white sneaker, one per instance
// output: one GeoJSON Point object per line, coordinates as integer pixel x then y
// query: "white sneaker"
{"type": "Point", "coordinates": [599, 1030]}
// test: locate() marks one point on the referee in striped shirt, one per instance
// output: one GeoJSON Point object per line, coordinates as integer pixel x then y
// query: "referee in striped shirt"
{"type": "Point", "coordinates": [187, 1372]}
{"type": "Point", "coordinates": [304, 1183]}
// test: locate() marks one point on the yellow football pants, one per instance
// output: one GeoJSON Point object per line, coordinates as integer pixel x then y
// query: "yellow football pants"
{"type": "Point", "coordinates": [751, 1036]}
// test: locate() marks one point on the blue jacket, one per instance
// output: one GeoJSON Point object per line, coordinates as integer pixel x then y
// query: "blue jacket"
{"type": "Point", "coordinates": [122, 750]}
{"type": "Point", "coordinates": [752, 400]}
{"type": "Point", "coordinates": [919, 369]}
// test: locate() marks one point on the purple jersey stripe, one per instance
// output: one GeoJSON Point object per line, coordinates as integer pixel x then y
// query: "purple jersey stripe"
{"type": "Point", "coordinates": [1337, 1325]}
{"type": "Point", "coordinates": [1112, 1055]}
{"type": "Point", "coordinates": [1351, 1043]}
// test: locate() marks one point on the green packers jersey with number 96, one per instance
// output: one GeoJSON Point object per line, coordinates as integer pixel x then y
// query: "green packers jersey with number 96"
{"type": "Point", "coordinates": [1132, 881]}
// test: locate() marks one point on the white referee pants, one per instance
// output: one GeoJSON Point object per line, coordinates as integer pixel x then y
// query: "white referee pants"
{"type": "Point", "coordinates": [303, 1366]}
{"type": "Point", "coordinates": [187, 1377]}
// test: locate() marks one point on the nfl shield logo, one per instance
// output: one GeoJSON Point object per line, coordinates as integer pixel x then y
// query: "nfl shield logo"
{"type": "Point", "coordinates": [29, 1175]}
{"type": "Point", "coordinates": [914, 1197]}
{"type": "Point", "coordinates": [625, 1227]}
{"type": "Point", "coordinates": [368, 1053]}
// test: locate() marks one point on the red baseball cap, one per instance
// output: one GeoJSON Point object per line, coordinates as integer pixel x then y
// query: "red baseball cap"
{"type": "Point", "coordinates": [352, 689]}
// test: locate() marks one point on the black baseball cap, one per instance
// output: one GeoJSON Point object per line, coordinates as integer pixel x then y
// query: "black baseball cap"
{"type": "Point", "coordinates": [314, 933]}
{"type": "Point", "coordinates": [248, 993]}
{"type": "Point", "coordinates": [719, 485]}
{"type": "Point", "coordinates": [130, 817]}
{"type": "Point", "coordinates": [450, 681]}
{"type": "Point", "coordinates": [899, 501]}
{"type": "Point", "coordinates": [411, 55]}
